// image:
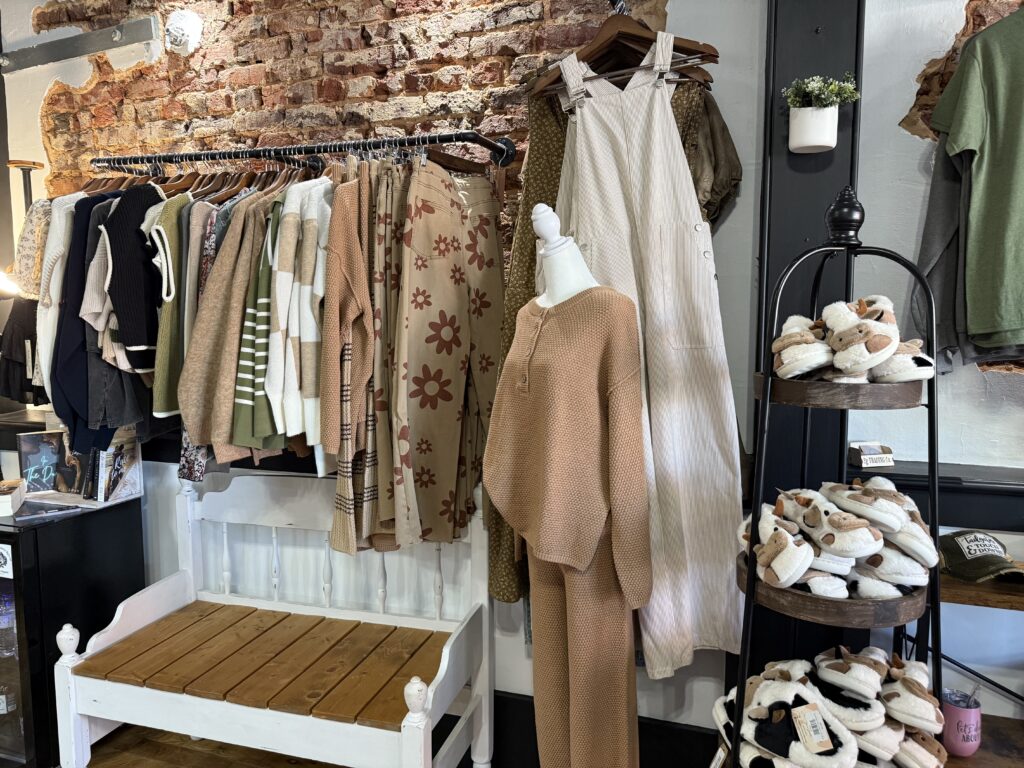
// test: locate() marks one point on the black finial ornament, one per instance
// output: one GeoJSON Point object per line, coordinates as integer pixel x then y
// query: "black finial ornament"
{"type": "Point", "coordinates": [844, 219]}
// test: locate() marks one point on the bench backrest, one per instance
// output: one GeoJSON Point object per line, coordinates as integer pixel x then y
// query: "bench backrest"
{"type": "Point", "coordinates": [210, 518]}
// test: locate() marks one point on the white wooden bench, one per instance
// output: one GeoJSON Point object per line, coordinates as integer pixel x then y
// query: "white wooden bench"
{"type": "Point", "coordinates": [358, 688]}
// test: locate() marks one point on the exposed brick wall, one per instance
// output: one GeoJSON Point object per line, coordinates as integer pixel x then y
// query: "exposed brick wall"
{"type": "Point", "coordinates": [273, 72]}
{"type": "Point", "coordinates": [938, 72]}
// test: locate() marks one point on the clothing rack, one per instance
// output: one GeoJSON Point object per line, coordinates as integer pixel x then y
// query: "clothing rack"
{"type": "Point", "coordinates": [503, 150]}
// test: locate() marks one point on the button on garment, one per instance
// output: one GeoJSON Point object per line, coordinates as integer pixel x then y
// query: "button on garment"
{"type": "Point", "coordinates": [628, 198]}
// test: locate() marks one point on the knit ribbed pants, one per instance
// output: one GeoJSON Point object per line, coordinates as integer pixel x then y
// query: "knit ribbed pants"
{"type": "Point", "coordinates": [584, 670]}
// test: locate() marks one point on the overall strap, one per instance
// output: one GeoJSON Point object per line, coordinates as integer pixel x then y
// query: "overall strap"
{"type": "Point", "coordinates": [664, 47]}
{"type": "Point", "coordinates": [572, 76]}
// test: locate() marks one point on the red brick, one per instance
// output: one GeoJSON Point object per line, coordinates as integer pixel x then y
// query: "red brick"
{"type": "Point", "coordinates": [515, 13]}
{"type": "Point", "coordinates": [560, 8]}
{"type": "Point", "coordinates": [513, 42]}
{"type": "Point", "coordinates": [487, 74]}
{"type": "Point", "coordinates": [49, 17]}
{"type": "Point", "coordinates": [554, 37]}
{"type": "Point", "coordinates": [104, 115]}
{"type": "Point", "coordinates": [264, 49]}
{"type": "Point", "coordinates": [408, 7]}
{"type": "Point", "coordinates": [294, 69]}
{"type": "Point", "coordinates": [448, 78]}
{"type": "Point", "coordinates": [362, 87]}
{"type": "Point", "coordinates": [247, 99]}
{"type": "Point", "coordinates": [242, 77]}
{"type": "Point", "coordinates": [332, 89]}
{"type": "Point", "coordinates": [147, 88]}
{"type": "Point", "coordinates": [220, 103]}
{"type": "Point", "coordinates": [173, 110]}
{"type": "Point", "coordinates": [292, 21]}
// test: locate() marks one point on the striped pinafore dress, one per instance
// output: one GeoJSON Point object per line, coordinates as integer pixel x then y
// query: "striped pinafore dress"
{"type": "Point", "coordinates": [627, 197]}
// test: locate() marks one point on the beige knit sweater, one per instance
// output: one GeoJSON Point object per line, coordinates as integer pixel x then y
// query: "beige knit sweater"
{"type": "Point", "coordinates": [565, 447]}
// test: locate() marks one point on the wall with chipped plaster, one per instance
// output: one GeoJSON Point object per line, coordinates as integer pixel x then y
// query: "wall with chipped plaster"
{"type": "Point", "coordinates": [981, 415]}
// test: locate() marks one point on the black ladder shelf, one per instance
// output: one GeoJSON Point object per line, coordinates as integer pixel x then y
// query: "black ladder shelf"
{"type": "Point", "coordinates": [844, 220]}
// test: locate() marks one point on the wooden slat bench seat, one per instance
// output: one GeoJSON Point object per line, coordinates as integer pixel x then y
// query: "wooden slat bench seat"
{"type": "Point", "coordinates": [347, 671]}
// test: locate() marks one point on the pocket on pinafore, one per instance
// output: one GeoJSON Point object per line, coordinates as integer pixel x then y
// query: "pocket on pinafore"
{"type": "Point", "coordinates": [686, 264]}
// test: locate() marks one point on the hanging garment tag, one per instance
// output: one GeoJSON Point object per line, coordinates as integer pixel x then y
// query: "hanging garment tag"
{"type": "Point", "coordinates": [810, 725]}
{"type": "Point", "coordinates": [29, 366]}
{"type": "Point", "coordinates": [719, 759]}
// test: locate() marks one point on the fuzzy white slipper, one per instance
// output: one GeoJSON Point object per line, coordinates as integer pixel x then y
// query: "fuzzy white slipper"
{"type": "Point", "coordinates": [866, 587]}
{"type": "Point", "coordinates": [823, 561]}
{"type": "Point", "coordinates": [915, 670]}
{"type": "Point", "coordinates": [855, 712]}
{"type": "Point", "coordinates": [839, 533]}
{"type": "Point", "coordinates": [916, 540]}
{"type": "Point", "coordinates": [769, 725]}
{"type": "Point", "coordinates": [920, 750]}
{"type": "Point", "coordinates": [723, 714]}
{"type": "Point", "coordinates": [892, 565]}
{"type": "Point", "coordinates": [882, 742]}
{"type": "Point", "coordinates": [879, 483]}
{"type": "Point", "coordinates": [860, 338]}
{"type": "Point", "coordinates": [801, 348]}
{"type": "Point", "coordinates": [876, 653]}
{"type": "Point", "coordinates": [909, 702]}
{"type": "Point", "coordinates": [752, 757]}
{"type": "Point", "coordinates": [792, 671]}
{"type": "Point", "coordinates": [782, 558]}
{"type": "Point", "coordinates": [823, 585]}
{"type": "Point", "coordinates": [770, 518]}
{"type": "Point", "coordinates": [834, 376]}
{"type": "Point", "coordinates": [861, 674]}
{"type": "Point", "coordinates": [880, 508]}
{"type": "Point", "coordinates": [908, 363]}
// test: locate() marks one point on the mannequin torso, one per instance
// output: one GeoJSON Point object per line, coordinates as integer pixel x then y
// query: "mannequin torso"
{"type": "Point", "coordinates": [565, 270]}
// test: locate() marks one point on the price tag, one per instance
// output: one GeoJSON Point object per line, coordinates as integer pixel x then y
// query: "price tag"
{"type": "Point", "coordinates": [7, 704]}
{"type": "Point", "coordinates": [6, 562]}
{"type": "Point", "coordinates": [720, 755]}
{"type": "Point", "coordinates": [810, 725]}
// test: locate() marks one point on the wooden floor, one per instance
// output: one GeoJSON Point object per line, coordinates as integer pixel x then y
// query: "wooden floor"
{"type": "Point", "coordinates": [134, 747]}
{"type": "Point", "coordinates": [305, 665]}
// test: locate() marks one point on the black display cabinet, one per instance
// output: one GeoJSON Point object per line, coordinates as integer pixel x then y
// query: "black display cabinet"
{"type": "Point", "coordinates": [76, 568]}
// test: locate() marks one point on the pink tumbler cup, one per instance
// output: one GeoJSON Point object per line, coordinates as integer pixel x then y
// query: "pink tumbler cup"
{"type": "Point", "coordinates": [962, 735]}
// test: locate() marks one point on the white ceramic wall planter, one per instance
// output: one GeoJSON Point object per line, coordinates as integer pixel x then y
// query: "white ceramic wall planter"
{"type": "Point", "coordinates": [813, 129]}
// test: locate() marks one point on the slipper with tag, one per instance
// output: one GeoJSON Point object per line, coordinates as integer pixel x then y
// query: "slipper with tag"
{"type": "Point", "coordinates": [855, 712]}
{"type": "Point", "coordinates": [787, 720]}
{"type": "Point", "coordinates": [860, 337]}
{"type": "Point", "coordinates": [892, 565]}
{"type": "Point", "coordinates": [908, 363]}
{"type": "Point", "coordinates": [916, 670]}
{"type": "Point", "coordinates": [863, 586]}
{"type": "Point", "coordinates": [801, 348]}
{"type": "Point", "coordinates": [839, 533]}
{"type": "Point", "coordinates": [882, 742]}
{"type": "Point", "coordinates": [920, 750]}
{"type": "Point", "coordinates": [859, 673]}
{"type": "Point", "coordinates": [909, 702]}
{"type": "Point", "coordinates": [880, 508]}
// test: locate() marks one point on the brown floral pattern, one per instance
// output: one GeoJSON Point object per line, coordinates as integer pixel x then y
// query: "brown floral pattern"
{"type": "Point", "coordinates": [449, 348]}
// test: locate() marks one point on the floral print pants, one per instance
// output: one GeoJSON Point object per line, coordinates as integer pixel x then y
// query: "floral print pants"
{"type": "Point", "coordinates": [447, 348]}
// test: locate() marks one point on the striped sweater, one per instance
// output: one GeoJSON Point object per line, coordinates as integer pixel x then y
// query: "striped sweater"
{"type": "Point", "coordinates": [253, 423]}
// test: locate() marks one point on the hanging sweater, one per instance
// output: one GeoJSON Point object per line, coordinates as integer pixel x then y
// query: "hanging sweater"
{"type": "Point", "coordinates": [27, 269]}
{"type": "Point", "coordinates": [134, 282]}
{"type": "Point", "coordinates": [166, 237]}
{"type": "Point", "coordinates": [55, 254]}
{"type": "Point", "coordinates": [565, 448]}
{"type": "Point", "coordinates": [282, 378]}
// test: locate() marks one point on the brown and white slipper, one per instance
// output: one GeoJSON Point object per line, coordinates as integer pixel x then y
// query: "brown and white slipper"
{"type": "Point", "coordinates": [908, 363]}
{"type": "Point", "coordinates": [839, 533]}
{"type": "Point", "coordinates": [920, 750]}
{"type": "Point", "coordinates": [861, 336]}
{"type": "Point", "coordinates": [882, 508]}
{"type": "Point", "coordinates": [859, 673]}
{"type": "Point", "coordinates": [909, 702]}
{"type": "Point", "coordinates": [801, 348]}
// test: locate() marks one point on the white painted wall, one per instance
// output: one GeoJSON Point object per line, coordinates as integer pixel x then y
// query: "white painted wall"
{"type": "Point", "coordinates": [981, 415]}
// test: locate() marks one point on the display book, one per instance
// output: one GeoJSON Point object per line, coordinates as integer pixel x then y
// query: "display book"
{"type": "Point", "coordinates": [55, 476]}
{"type": "Point", "coordinates": [844, 219]}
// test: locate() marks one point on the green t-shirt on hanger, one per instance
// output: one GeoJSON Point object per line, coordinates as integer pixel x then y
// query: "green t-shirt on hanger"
{"type": "Point", "coordinates": [981, 110]}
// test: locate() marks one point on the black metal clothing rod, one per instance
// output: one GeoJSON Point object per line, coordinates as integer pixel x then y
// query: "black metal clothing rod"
{"type": "Point", "coordinates": [503, 150]}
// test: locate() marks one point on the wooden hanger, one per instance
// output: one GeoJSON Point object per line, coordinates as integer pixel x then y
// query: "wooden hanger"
{"type": "Point", "coordinates": [624, 32]}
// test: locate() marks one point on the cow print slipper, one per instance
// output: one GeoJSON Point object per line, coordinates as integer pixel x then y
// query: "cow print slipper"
{"type": "Point", "coordinates": [801, 348]}
{"type": "Point", "coordinates": [823, 585]}
{"type": "Point", "coordinates": [839, 533]}
{"type": "Point", "coordinates": [883, 742]}
{"type": "Point", "coordinates": [769, 724]}
{"type": "Point", "coordinates": [876, 506]}
{"type": "Point", "coordinates": [860, 337]}
{"type": "Point", "coordinates": [909, 702]}
{"type": "Point", "coordinates": [892, 565]}
{"type": "Point", "coordinates": [920, 750]}
{"type": "Point", "coordinates": [916, 670]}
{"type": "Point", "coordinates": [858, 673]}
{"type": "Point", "coordinates": [855, 712]}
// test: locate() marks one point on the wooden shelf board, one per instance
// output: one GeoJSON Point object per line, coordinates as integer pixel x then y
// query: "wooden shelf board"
{"type": "Point", "coordinates": [835, 612]}
{"type": "Point", "coordinates": [843, 397]}
{"type": "Point", "coordinates": [989, 594]}
{"type": "Point", "coordinates": [1002, 745]}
